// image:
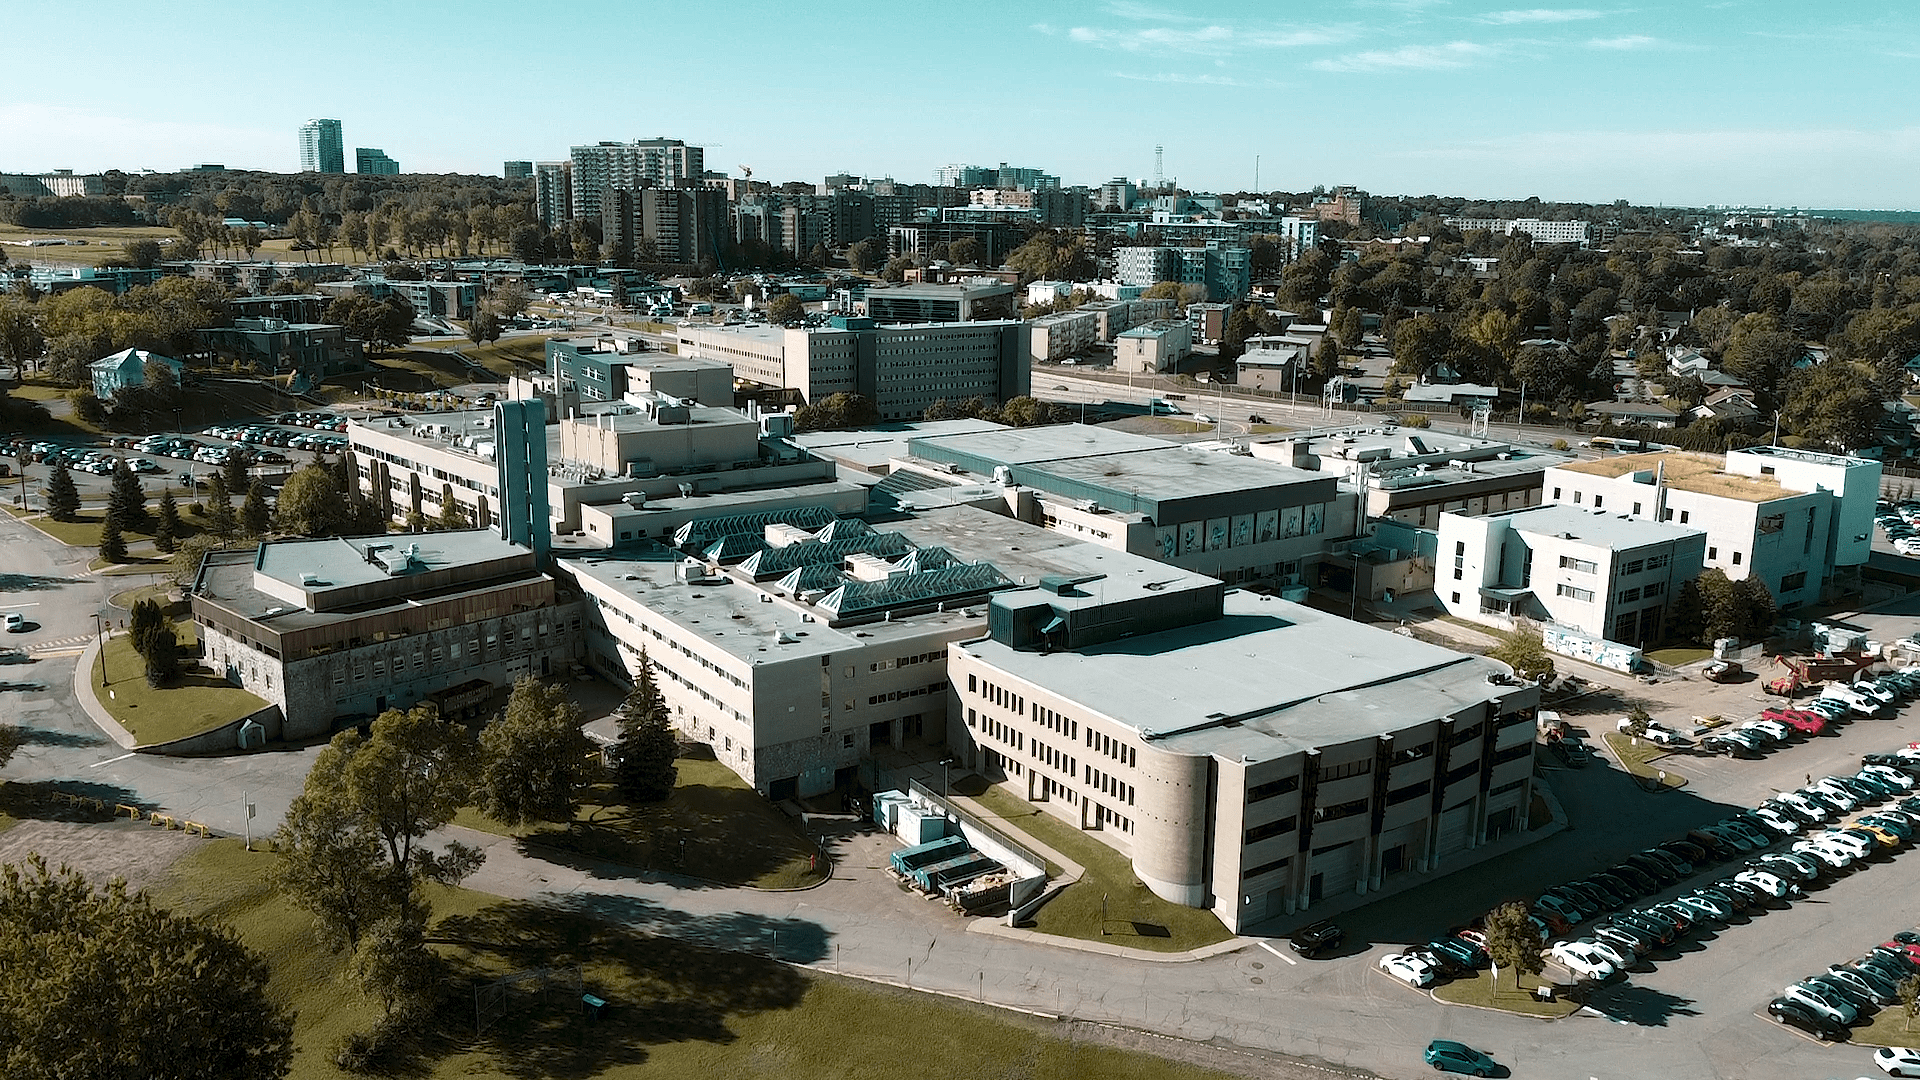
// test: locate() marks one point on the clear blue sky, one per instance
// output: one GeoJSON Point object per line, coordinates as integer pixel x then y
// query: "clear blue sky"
{"type": "Point", "coordinates": [1677, 101]}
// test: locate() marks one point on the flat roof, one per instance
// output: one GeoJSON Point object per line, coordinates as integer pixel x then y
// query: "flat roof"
{"type": "Point", "coordinates": [1026, 553]}
{"type": "Point", "coordinates": [629, 418]}
{"type": "Point", "coordinates": [1027, 446]}
{"type": "Point", "coordinates": [1268, 679]}
{"type": "Point", "coordinates": [460, 423]}
{"type": "Point", "coordinates": [726, 503]}
{"type": "Point", "coordinates": [1177, 472]}
{"type": "Point", "coordinates": [1702, 474]}
{"type": "Point", "coordinates": [872, 447]}
{"type": "Point", "coordinates": [1600, 529]}
{"type": "Point", "coordinates": [342, 562]}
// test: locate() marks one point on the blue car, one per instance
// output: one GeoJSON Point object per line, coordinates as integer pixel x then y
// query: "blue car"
{"type": "Point", "coordinates": [1449, 1056]}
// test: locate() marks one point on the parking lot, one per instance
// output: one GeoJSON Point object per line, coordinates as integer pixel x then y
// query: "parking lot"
{"type": "Point", "coordinates": [1714, 983]}
{"type": "Point", "coordinates": [179, 459]}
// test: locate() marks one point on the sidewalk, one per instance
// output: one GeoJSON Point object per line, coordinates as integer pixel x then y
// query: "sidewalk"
{"type": "Point", "coordinates": [84, 693]}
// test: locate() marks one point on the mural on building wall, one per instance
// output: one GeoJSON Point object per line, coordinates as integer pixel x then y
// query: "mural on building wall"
{"type": "Point", "coordinates": [1268, 525]}
{"type": "Point", "coordinates": [1242, 530]}
{"type": "Point", "coordinates": [1169, 538]}
{"type": "Point", "coordinates": [1607, 654]}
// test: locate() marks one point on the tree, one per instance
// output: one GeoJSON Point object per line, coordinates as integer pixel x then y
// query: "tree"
{"type": "Point", "coordinates": [836, 411]}
{"type": "Point", "coordinates": [311, 504]}
{"type": "Point", "coordinates": [1687, 620]}
{"type": "Point", "coordinates": [1513, 941]}
{"type": "Point", "coordinates": [163, 655]}
{"type": "Point", "coordinates": [20, 338]}
{"type": "Point", "coordinates": [408, 778]}
{"type": "Point", "coordinates": [644, 770]}
{"type": "Point", "coordinates": [63, 500]}
{"type": "Point", "coordinates": [1522, 650]}
{"type": "Point", "coordinates": [394, 966]}
{"type": "Point", "coordinates": [127, 499]}
{"type": "Point", "coordinates": [1909, 990]}
{"type": "Point", "coordinates": [381, 324]}
{"type": "Point", "coordinates": [145, 621]}
{"type": "Point", "coordinates": [143, 254]}
{"type": "Point", "coordinates": [1637, 720]}
{"type": "Point", "coordinates": [483, 327]}
{"type": "Point", "coordinates": [1326, 359]}
{"type": "Point", "coordinates": [941, 409]}
{"type": "Point", "coordinates": [535, 760]}
{"type": "Point", "coordinates": [785, 310]}
{"type": "Point", "coordinates": [187, 998]}
{"type": "Point", "coordinates": [1743, 609]}
{"type": "Point", "coordinates": [234, 471]}
{"type": "Point", "coordinates": [453, 515]}
{"type": "Point", "coordinates": [862, 257]}
{"type": "Point", "coordinates": [1761, 352]}
{"type": "Point", "coordinates": [330, 856]}
{"type": "Point", "coordinates": [964, 252]}
{"type": "Point", "coordinates": [255, 515]}
{"type": "Point", "coordinates": [191, 551]}
{"type": "Point", "coordinates": [221, 521]}
{"type": "Point", "coordinates": [1835, 403]}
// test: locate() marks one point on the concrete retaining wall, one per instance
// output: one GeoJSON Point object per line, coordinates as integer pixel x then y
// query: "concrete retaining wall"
{"type": "Point", "coordinates": [224, 739]}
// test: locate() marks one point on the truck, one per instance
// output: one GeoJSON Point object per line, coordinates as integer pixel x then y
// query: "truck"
{"type": "Point", "coordinates": [1807, 672]}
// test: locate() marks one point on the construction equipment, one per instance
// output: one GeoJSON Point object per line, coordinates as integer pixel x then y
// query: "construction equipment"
{"type": "Point", "coordinates": [1808, 672]}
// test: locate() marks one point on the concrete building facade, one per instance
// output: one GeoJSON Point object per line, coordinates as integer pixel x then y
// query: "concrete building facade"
{"type": "Point", "coordinates": [321, 149]}
{"type": "Point", "coordinates": [1153, 347]}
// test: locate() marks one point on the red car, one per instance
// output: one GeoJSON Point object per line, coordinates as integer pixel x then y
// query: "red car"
{"type": "Point", "coordinates": [1805, 721]}
{"type": "Point", "coordinates": [1910, 948]}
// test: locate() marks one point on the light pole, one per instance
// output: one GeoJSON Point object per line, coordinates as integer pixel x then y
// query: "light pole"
{"type": "Point", "coordinates": [944, 764]}
{"type": "Point", "coordinates": [101, 638]}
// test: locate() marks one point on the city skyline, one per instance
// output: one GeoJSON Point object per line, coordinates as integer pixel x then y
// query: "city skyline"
{"type": "Point", "coordinates": [1730, 102]}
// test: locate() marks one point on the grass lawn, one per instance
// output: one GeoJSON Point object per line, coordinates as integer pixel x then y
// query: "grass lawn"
{"type": "Point", "coordinates": [102, 243]}
{"type": "Point", "coordinates": [507, 356]}
{"type": "Point", "coordinates": [37, 390]}
{"type": "Point", "coordinates": [1479, 991]}
{"type": "Point", "coordinates": [1639, 760]}
{"type": "Point", "coordinates": [84, 529]}
{"type": "Point", "coordinates": [196, 702]}
{"type": "Point", "coordinates": [1679, 655]}
{"type": "Point", "coordinates": [714, 827]}
{"type": "Point", "coordinates": [675, 1009]}
{"type": "Point", "coordinates": [1890, 1027]}
{"type": "Point", "coordinates": [1133, 916]}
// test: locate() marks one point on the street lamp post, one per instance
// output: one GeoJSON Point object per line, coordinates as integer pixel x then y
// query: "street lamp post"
{"type": "Point", "coordinates": [100, 636]}
{"type": "Point", "coordinates": [944, 763]}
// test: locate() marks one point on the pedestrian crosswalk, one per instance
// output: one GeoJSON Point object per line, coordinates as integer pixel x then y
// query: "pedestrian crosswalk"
{"type": "Point", "coordinates": [74, 644]}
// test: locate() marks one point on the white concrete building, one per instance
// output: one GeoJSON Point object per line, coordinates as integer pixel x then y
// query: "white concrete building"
{"type": "Point", "coordinates": [1606, 575]}
{"type": "Point", "coordinates": [1800, 521]}
{"type": "Point", "coordinates": [1153, 347]}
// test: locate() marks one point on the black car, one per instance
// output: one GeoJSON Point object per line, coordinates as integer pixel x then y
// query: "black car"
{"type": "Point", "coordinates": [1716, 846]}
{"type": "Point", "coordinates": [1686, 849]}
{"type": "Point", "coordinates": [1628, 937]}
{"type": "Point", "coordinates": [1797, 1015]}
{"type": "Point", "coordinates": [1660, 930]}
{"type": "Point", "coordinates": [1602, 895]}
{"type": "Point", "coordinates": [1317, 940]}
{"type": "Point", "coordinates": [1893, 761]}
{"type": "Point", "coordinates": [1643, 882]}
{"type": "Point", "coordinates": [1893, 960]}
{"type": "Point", "coordinates": [1658, 870]}
{"type": "Point", "coordinates": [1796, 813]}
{"type": "Point", "coordinates": [1440, 956]}
{"type": "Point", "coordinates": [1738, 896]}
{"type": "Point", "coordinates": [1618, 886]}
{"type": "Point", "coordinates": [1878, 978]}
{"type": "Point", "coordinates": [1680, 866]}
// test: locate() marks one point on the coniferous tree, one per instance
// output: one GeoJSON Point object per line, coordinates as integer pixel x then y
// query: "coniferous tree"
{"type": "Point", "coordinates": [113, 546]}
{"type": "Point", "coordinates": [127, 500]}
{"type": "Point", "coordinates": [166, 526]}
{"type": "Point", "coordinates": [221, 521]}
{"type": "Point", "coordinates": [645, 771]}
{"type": "Point", "coordinates": [63, 500]}
{"type": "Point", "coordinates": [255, 515]}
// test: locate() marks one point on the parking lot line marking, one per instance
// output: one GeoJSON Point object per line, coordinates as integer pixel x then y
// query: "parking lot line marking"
{"type": "Point", "coordinates": [1277, 953]}
{"type": "Point", "coordinates": [111, 760]}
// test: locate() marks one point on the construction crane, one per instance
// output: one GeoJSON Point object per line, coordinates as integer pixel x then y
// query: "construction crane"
{"type": "Point", "coordinates": [745, 170]}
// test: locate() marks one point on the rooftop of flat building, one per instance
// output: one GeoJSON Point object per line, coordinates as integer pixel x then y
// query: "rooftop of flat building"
{"type": "Point", "coordinates": [1811, 457]}
{"type": "Point", "coordinates": [1596, 527]}
{"type": "Point", "coordinates": [1025, 446]}
{"type": "Point", "coordinates": [1177, 472]}
{"type": "Point", "coordinates": [1268, 679]}
{"type": "Point", "coordinates": [343, 562]}
{"type": "Point", "coordinates": [925, 291]}
{"type": "Point", "coordinates": [461, 431]}
{"type": "Point", "coordinates": [1702, 474]}
{"type": "Point", "coordinates": [871, 448]}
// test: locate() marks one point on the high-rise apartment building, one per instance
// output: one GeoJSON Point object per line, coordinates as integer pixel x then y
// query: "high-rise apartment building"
{"type": "Point", "coordinates": [373, 161]}
{"type": "Point", "coordinates": [518, 170]}
{"type": "Point", "coordinates": [320, 147]}
{"type": "Point", "coordinates": [644, 163]}
{"type": "Point", "coordinates": [553, 192]}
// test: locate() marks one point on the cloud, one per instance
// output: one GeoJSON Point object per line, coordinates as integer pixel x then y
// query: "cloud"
{"type": "Point", "coordinates": [1540, 15]}
{"type": "Point", "coordinates": [1454, 54]}
{"type": "Point", "coordinates": [1211, 40]}
{"type": "Point", "coordinates": [1631, 41]}
{"type": "Point", "coordinates": [1184, 79]}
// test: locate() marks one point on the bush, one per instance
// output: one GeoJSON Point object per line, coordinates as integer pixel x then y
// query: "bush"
{"type": "Point", "coordinates": [1559, 444]}
{"type": "Point", "coordinates": [197, 509]}
{"type": "Point", "coordinates": [1416, 420]}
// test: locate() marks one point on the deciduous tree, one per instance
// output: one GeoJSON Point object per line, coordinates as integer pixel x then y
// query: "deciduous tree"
{"type": "Point", "coordinates": [311, 504]}
{"type": "Point", "coordinates": [1521, 649]}
{"type": "Point", "coordinates": [100, 983]}
{"type": "Point", "coordinates": [1513, 941]}
{"type": "Point", "coordinates": [785, 310]}
{"type": "Point", "coordinates": [535, 760]}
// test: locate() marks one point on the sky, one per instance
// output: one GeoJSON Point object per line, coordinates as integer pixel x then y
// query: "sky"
{"type": "Point", "coordinates": [1689, 102]}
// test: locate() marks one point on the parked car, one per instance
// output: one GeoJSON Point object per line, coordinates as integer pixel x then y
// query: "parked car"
{"type": "Point", "coordinates": [1898, 1060]}
{"type": "Point", "coordinates": [1823, 1001]}
{"type": "Point", "coordinates": [1317, 940]}
{"type": "Point", "coordinates": [1794, 1014]}
{"type": "Point", "coordinates": [1722, 671]}
{"type": "Point", "coordinates": [1409, 969]}
{"type": "Point", "coordinates": [1581, 958]}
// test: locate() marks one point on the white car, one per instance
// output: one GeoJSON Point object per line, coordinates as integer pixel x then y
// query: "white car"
{"type": "Point", "coordinates": [1805, 805]}
{"type": "Point", "coordinates": [1784, 824]}
{"type": "Point", "coordinates": [1581, 958]}
{"type": "Point", "coordinates": [1836, 857]}
{"type": "Point", "coordinates": [1891, 775]}
{"type": "Point", "coordinates": [1408, 969]}
{"type": "Point", "coordinates": [1767, 882]}
{"type": "Point", "coordinates": [1823, 1002]}
{"type": "Point", "coordinates": [1860, 846]}
{"type": "Point", "coordinates": [1898, 1060]}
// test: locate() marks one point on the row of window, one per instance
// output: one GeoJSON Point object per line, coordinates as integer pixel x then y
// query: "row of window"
{"type": "Point", "coordinates": [1056, 723]}
{"type": "Point", "coordinates": [671, 643]}
{"type": "Point", "coordinates": [903, 661]}
{"type": "Point", "coordinates": [1112, 747]}
{"type": "Point", "coordinates": [1346, 769]}
{"type": "Point", "coordinates": [997, 695]}
{"type": "Point", "coordinates": [897, 695]}
{"type": "Point", "coordinates": [1109, 785]}
{"type": "Point", "coordinates": [1007, 734]}
{"type": "Point", "coordinates": [1650, 590]}
{"type": "Point", "coordinates": [1053, 758]}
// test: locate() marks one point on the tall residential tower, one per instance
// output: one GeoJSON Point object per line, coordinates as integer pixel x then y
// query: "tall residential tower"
{"type": "Point", "coordinates": [320, 147]}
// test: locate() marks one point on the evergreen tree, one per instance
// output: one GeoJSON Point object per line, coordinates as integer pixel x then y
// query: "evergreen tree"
{"type": "Point", "coordinates": [63, 500]}
{"type": "Point", "coordinates": [166, 527]}
{"type": "Point", "coordinates": [1687, 621]}
{"type": "Point", "coordinates": [113, 546]}
{"type": "Point", "coordinates": [221, 521]}
{"type": "Point", "coordinates": [163, 655]}
{"type": "Point", "coordinates": [255, 516]}
{"type": "Point", "coordinates": [452, 514]}
{"type": "Point", "coordinates": [146, 622]}
{"type": "Point", "coordinates": [127, 500]}
{"type": "Point", "coordinates": [646, 750]}
{"type": "Point", "coordinates": [234, 472]}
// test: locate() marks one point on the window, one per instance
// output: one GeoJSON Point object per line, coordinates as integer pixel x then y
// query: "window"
{"type": "Point", "coordinates": [1628, 596]}
{"type": "Point", "coordinates": [1633, 567]}
{"type": "Point", "coordinates": [1713, 553]}
{"type": "Point", "coordinates": [1351, 809]}
{"type": "Point", "coordinates": [1351, 768]}
{"type": "Point", "coordinates": [1596, 501]}
{"type": "Point", "coordinates": [846, 741]}
{"type": "Point", "coordinates": [1653, 589]}
{"type": "Point", "coordinates": [1636, 509]}
{"type": "Point", "coordinates": [1272, 789]}
{"type": "Point", "coordinates": [1683, 517]}
{"type": "Point", "coordinates": [1657, 562]}
{"type": "Point", "coordinates": [1272, 829]}
{"type": "Point", "coordinates": [1252, 872]}
{"type": "Point", "coordinates": [1578, 496]}
{"type": "Point", "coordinates": [1736, 558]}
{"type": "Point", "coordinates": [1411, 791]}
{"type": "Point", "coordinates": [1556, 493]}
{"type": "Point", "coordinates": [1456, 598]}
{"type": "Point", "coordinates": [1772, 523]}
{"type": "Point", "coordinates": [1577, 594]}
{"type": "Point", "coordinates": [1413, 753]}
{"type": "Point", "coordinates": [1585, 566]}
{"type": "Point", "coordinates": [1793, 582]}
